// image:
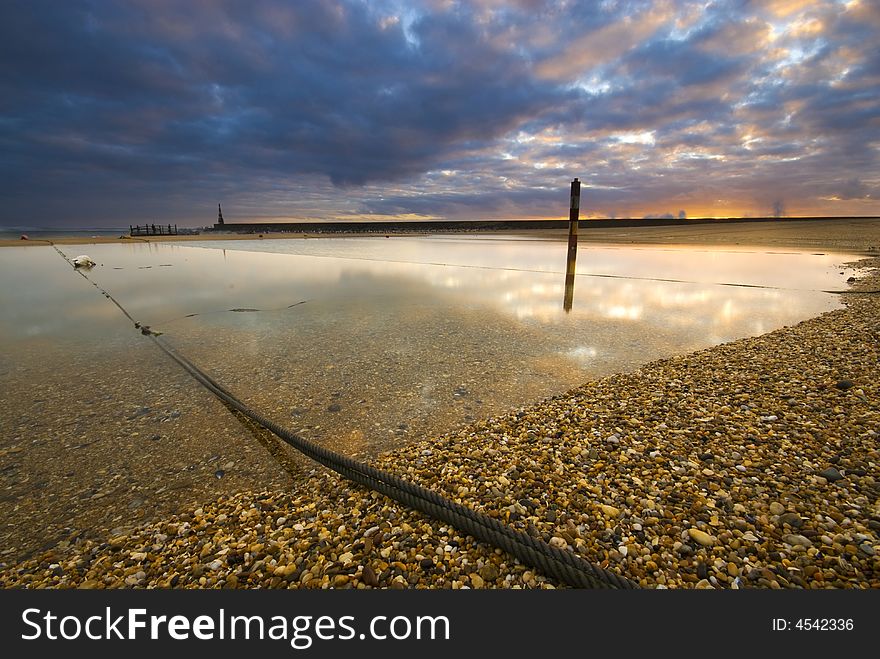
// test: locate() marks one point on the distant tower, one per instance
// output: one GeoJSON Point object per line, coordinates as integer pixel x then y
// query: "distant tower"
{"type": "Point", "coordinates": [219, 214]}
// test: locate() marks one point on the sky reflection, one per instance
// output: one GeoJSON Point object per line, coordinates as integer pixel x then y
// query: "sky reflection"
{"type": "Point", "coordinates": [717, 295]}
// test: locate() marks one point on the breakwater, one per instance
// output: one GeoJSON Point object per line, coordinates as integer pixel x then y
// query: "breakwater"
{"type": "Point", "coordinates": [453, 226]}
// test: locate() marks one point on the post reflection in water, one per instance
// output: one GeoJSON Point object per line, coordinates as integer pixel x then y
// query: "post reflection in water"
{"type": "Point", "coordinates": [573, 215]}
{"type": "Point", "coordinates": [569, 281]}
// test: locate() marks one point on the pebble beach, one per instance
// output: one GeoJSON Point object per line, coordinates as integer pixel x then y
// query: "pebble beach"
{"type": "Point", "coordinates": [753, 464]}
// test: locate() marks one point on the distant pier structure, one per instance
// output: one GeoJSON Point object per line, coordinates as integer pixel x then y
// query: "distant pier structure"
{"type": "Point", "coordinates": [152, 230]}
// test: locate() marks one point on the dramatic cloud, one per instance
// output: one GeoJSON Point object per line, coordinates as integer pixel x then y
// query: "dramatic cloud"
{"type": "Point", "coordinates": [113, 113]}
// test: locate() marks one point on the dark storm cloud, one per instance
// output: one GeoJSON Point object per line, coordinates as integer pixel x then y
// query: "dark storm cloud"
{"type": "Point", "coordinates": [124, 111]}
{"type": "Point", "coordinates": [290, 89]}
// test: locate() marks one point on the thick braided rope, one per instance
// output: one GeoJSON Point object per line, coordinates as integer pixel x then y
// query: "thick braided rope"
{"type": "Point", "coordinates": [564, 565]}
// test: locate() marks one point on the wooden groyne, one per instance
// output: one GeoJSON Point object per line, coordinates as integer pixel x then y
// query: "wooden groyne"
{"type": "Point", "coordinates": [152, 230]}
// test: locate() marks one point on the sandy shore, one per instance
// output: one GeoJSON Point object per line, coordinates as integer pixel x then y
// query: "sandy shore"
{"type": "Point", "coordinates": [105, 240]}
{"type": "Point", "coordinates": [752, 464]}
{"type": "Point", "coordinates": [857, 234]}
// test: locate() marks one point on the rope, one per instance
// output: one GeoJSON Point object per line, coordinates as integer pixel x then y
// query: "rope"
{"type": "Point", "coordinates": [563, 565]}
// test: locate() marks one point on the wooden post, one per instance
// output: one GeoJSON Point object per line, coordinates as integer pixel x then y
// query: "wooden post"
{"type": "Point", "coordinates": [573, 215]}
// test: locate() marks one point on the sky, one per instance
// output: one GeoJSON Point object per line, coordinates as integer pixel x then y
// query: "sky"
{"type": "Point", "coordinates": [114, 113]}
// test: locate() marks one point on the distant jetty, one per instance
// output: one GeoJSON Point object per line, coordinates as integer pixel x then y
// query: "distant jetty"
{"type": "Point", "coordinates": [470, 226]}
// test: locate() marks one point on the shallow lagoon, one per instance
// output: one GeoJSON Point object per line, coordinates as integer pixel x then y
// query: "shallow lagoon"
{"type": "Point", "coordinates": [422, 326]}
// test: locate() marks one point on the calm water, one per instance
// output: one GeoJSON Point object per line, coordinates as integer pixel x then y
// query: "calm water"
{"type": "Point", "coordinates": [374, 339]}
{"type": "Point", "coordinates": [356, 343]}
{"type": "Point", "coordinates": [332, 303]}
